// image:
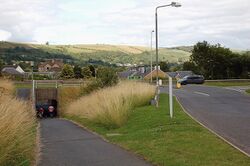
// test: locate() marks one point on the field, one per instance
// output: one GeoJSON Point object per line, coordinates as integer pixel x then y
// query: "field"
{"type": "Point", "coordinates": [150, 133]}
{"type": "Point", "coordinates": [17, 128]}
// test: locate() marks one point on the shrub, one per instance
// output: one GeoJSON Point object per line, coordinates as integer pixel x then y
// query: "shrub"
{"type": "Point", "coordinates": [90, 87]}
{"type": "Point", "coordinates": [86, 72]}
{"type": "Point", "coordinates": [107, 77]}
{"type": "Point", "coordinates": [67, 72]}
{"type": "Point", "coordinates": [111, 106]}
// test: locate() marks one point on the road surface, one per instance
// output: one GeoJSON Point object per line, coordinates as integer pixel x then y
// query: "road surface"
{"type": "Point", "coordinates": [66, 144]}
{"type": "Point", "coordinates": [226, 111]}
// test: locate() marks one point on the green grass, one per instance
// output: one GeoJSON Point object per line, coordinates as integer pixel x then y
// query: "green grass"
{"type": "Point", "coordinates": [180, 141]}
{"type": "Point", "coordinates": [225, 84]}
{"type": "Point", "coordinates": [23, 85]}
{"type": "Point", "coordinates": [248, 91]}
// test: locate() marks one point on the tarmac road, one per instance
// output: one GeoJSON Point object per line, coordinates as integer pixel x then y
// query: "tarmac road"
{"type": "Point", "coordinates": [65, 144]}
{"type": "Point", "coordinates": [226, 111]}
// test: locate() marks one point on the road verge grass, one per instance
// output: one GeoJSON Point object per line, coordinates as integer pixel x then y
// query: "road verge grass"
{"type": "Point", "coordinates": [225, 84]}
{"type": "Point", "coordinates": [248, 91]}
{"type": "Point", "coordinates": [17, 128]}
{"type": "Point", "coordinates": [112, 106]}
{"type": "Point", "coordinates": [180, 141]}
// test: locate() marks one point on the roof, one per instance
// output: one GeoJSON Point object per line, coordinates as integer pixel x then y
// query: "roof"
{"type": "Point", "coordinates": [143, 74]}
{"type": "Point", "coordinates": [171, 74]}
{"type": "Point", "coordinates": [182, 74]}
{"type": "Point", "coordinates": [51, 62]}
{"type": "Point", "coordinates": [179, 74]}
{"type": "Point", "coordinates": [11, 70]}
{"type": "Point", "coordinates": [125, 74]}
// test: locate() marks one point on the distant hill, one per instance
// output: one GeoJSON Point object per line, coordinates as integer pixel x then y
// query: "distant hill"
{"type": "Point", "coordinates": [98, 53]}
{"type": "Point", "coordinates": [184, 48]}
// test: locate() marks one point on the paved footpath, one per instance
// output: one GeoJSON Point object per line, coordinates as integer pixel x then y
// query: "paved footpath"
{"type": "Point", "coordinates": [226, 111]}
{"type": "Point", "coordinates": [65, 144]}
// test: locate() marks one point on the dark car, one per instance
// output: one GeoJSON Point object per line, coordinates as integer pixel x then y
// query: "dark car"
{"type": "Point", "coordinates": [194, 79]}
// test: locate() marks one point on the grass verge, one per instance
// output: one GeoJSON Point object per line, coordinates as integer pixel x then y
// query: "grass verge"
{"type": "Point", "coordinates": [225, 84]}
{"type": "Point", "coordinates": [112, 106]}
{"type": "Point", "coordinates": [248, 91]}
{"type": "Point", "coordinates": [169, 142]}
{"type": "Point", "coordinates": [17, 129]}
{"type": "Point", "coordinates": [27, 85]}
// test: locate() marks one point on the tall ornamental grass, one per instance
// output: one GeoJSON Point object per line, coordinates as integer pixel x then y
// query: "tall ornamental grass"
{"type": "Point", "coordinates": [111, 106]}
{"type": "Point", "coordinates": [17, 128]}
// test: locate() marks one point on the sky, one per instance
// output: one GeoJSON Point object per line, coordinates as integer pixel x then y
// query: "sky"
{"type": "Point", "coordinates": [126, 22]}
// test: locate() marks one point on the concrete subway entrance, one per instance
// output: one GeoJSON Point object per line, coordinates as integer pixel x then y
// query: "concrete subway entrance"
{"type": "Point", "coordinates": [45, 97]}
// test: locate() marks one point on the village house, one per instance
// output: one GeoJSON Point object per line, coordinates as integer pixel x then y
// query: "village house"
{"type": "Point", "coordinates": [144, 73]}
{"type": "Point", "coordinates": [141, 73]}
{"type": "Point", "coordinates": [51, 65]}
{"type": "Point", "coordinates": [13, 71]}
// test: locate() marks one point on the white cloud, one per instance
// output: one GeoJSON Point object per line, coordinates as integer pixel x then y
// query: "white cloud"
{"type": "Point", "coordinates": [4, 35]}
{"type": "Point", "coordinates": [126, 21]}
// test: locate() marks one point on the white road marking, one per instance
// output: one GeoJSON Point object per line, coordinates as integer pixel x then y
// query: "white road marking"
{"type": "Point", "coordinates": [200, 93]}
{"type": "Point", "coordinates": [237, 90]}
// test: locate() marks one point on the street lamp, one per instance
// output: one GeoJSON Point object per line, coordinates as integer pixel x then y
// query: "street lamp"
{"type": "Point", "coordinates": [33, 83]}
{"type": "Point", "coordinates": [173, 4]}
{"type": "Point", "coordinates": [151, 64]}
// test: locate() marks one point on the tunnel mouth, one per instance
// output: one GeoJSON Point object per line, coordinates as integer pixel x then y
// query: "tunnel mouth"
{"type": "Point", "coordinates": [45, 99]}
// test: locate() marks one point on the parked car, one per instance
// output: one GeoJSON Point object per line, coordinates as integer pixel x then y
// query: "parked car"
{"type": "Point", "coordinates": [194, 79]}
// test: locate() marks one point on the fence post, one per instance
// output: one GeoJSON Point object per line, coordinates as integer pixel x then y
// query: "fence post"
{"type": "Point", "coordinates": [33, 93]}
{"type": "Point", "coordinates": [171, 96]}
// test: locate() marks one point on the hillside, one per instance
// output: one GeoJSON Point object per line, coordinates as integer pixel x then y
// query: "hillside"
{"type": "Point", "coordinates": [81, 54]}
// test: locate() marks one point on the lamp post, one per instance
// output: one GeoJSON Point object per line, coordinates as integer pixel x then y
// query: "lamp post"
{"type": "Point", "coordinates": [33, 83]}
{"type": "Point", "coordinates": [173, 4]}
{"type": "Point", "coordinates": [151, 64]}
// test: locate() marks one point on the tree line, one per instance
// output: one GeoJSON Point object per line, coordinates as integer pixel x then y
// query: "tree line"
{"type": "Point", "coordinates": [217, 62]}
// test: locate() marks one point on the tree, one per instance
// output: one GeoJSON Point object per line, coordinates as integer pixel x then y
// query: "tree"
{"type": "Point", "coordinates": [86, 72]}
{"type": "Point", "coordinates": [164, 66]}
{"type": "Point", "coordinates": [1, 64]}
{"type": "Point", "coordinates": [177, 68]}
{"type": "Point", "coordinates": [25, 66]}
{"type": "Point", "coordinates": [93, 70]}
{"type": "Point", "coordinates": [213, 61]}
{"type": "Point", "coordinates": [107, 76]}
{"type": "Point", "coordinates": [78, 72]}
{"type": "Point", "coordinates": [67, 72]}
{"type": "Point", "coordinates": [190, 66]}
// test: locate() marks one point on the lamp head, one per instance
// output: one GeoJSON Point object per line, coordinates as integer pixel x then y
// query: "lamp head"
{"type": "Point", "coordinates": [175, 4]}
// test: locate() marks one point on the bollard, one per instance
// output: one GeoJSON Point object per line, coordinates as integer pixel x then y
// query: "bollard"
{"type": "Point", "coordinates": [178, 85]}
